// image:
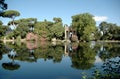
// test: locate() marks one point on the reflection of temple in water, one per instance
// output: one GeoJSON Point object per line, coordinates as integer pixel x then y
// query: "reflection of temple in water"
{"type": "Point", "coordinates": [69, 48]}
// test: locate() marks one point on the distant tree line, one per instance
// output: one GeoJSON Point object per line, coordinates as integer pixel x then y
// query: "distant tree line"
{"type": "Point", "coordinates": [45, 29]}
{"type": "Point", "coordinates": [83, 24]}
{"type": "Point", "coordinates": [109, 31]}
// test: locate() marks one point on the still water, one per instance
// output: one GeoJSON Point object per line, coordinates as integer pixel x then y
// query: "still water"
{"type": "Point", "coordinates": [44, 60]}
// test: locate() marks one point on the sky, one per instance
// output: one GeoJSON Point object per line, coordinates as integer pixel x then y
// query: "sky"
{"type": "Point", "coordinates": [102, 10]}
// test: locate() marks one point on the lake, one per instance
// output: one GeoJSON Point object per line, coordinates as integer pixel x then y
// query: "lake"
{"type": "Point", "coordinates": [45, 60]}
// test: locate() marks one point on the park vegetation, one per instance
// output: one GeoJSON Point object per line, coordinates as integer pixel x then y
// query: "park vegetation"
{"type": "Point", "coordinates": [83, 25]}
{"type": "Point", "coordinates": [85, 29]}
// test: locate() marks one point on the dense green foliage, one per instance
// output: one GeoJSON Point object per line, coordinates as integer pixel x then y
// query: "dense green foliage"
{"type": "Point", "coordinates": [41, 29]}
{"type": "Point", "coordinates": [48, 29]}
{"type": "Point", "coordinates": [110, 31]}
{"type": "Point", "coordinates": [23, 27]}
{"type": "Point", "coordinates": [3, 29]}
{"type": "Point", "coordinates": [11, 14]}
{"type": "Point", "coordinates": [84, 24]}
{"type": "Point", "coordinates": [44, 29]}
{"type": "Point", "coordinates": [57, 29]}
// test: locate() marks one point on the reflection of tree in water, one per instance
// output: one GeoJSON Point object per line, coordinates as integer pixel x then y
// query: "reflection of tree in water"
{"type": "Point", "coordinates": [45, 51]}
{"type": "Point", "coordinates": [109, 50]}
{"type": "Point", "coordinates": [57, 53]}
{"type": "Point", "coordinates": [51, 53]}
{"type": "Point", "coordinates": [3, 49]}
{"type": "Point", "coordinates": [11, 65]}
{"type": "Point", "coordinates": [24, 54]}
{"type": "Point", "coordinates": [109, 53]}
{"type": "Point", "coordinates": [84, 57]}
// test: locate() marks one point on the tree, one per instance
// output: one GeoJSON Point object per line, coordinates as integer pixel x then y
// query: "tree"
{"type": "Point", "coordinates": [31, 22]}
{"type": "Point", "coordinates": [84, 24]}
{"type": "Point", "coordinates": [23, 27]}
{"type": "Point", "coordinates": [3, 6]}
{"type": "Point", "coordinates": [41, 28]}
{"type": "Point", "coordinates": [103, 27]}
{"type": "Point", "coordinates": [57, 20]}
{"type": "Point", "coordinates": [57, 29]}
{"type": "Point", "coordinates": [49, 30]}
{"type": "Point", "coordinates": [97, 34]}
{"type": "Point", "coordinates": [3, 29]}
{"type": "Point", "coordinates": [11, 14]}
{"type": "Point", "coordinates": [110, 31]}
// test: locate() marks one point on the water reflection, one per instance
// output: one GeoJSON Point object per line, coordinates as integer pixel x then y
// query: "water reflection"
{"type": "Point", "coordinates": [111, 69]}
{"type": "Point", "coordinates": [83, 56]}
{"type": "Point", "coordinates": [11, 65]}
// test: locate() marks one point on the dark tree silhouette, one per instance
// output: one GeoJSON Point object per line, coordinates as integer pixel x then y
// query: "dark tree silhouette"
{"type": "Point", "coordinates": [3, 6]}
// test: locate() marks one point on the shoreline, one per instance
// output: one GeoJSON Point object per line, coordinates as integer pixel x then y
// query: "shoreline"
{"type": "Point", "coordinates": [109, 41]}
{"type": "Point", "coordinates": [23, 40]}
